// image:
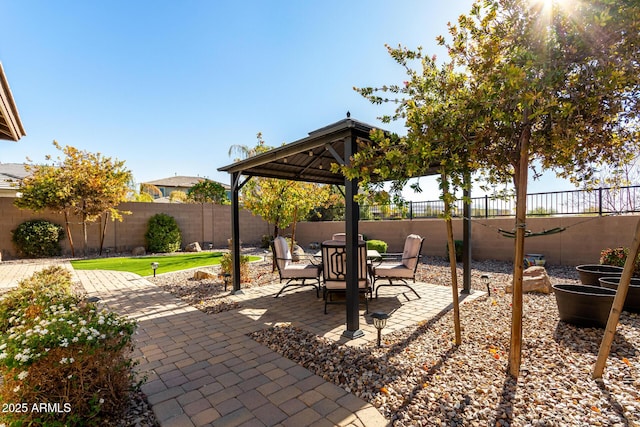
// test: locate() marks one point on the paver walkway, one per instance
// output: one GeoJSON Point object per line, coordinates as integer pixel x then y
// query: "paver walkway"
{"type": "Point", "coordinates": [204, 370]}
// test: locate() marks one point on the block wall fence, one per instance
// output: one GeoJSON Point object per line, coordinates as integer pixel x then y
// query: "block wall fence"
{"type": "Point", "coordinates": [580, 243]}
{"type": "Point", "coordinates": [209, 223]}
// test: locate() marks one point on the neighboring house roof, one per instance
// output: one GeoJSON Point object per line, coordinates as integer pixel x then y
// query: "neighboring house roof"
{"type": "Point", "coordinates": [10, 124]}
{"type": "Point", "coordinates": [180, 181]}
{"type": "Point", "coordinates": [11, 173]}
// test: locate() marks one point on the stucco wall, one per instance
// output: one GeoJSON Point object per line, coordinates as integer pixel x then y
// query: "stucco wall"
{"type": "Point", "coordinates": [580, 243]}
{"type": "Point", "coordinates": [211, 223]}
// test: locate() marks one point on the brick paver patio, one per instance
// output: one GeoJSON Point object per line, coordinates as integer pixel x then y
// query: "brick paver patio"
{"type": "Point", "coordinates": [203, 369]}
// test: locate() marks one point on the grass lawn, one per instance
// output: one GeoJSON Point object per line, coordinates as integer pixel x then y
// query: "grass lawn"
{"type": "Point", "coordinates": [142, 265]}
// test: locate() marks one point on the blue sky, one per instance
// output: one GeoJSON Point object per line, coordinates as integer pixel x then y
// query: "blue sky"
{"type": "Point", "coordinates": [169, 86]}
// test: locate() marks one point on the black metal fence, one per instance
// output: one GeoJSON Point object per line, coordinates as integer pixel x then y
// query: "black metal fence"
{"type": "Point", "coordinates": [600, 201]}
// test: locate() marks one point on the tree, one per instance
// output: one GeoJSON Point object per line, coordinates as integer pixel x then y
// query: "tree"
{"type": "Point", "coordinates": [44, 188]}
{"type": "Point", "coordinates": [177, 196]}
{"type": "Point", "coordinates": [147, 192]}
{"type": "Point", "coordinates": [557, 82]}
{"type": "Point", "coordinates": [207, 191]}
{"type": "Point", "coordinates": [86, 184]}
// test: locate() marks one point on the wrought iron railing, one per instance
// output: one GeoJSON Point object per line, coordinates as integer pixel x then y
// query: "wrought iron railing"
{"type": "Point", "coordinates": [599, 201]}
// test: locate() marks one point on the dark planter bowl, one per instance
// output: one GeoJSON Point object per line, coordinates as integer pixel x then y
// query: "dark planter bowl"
{"type": "Point", "coordinates": [632, 303]}
{"type": "Point", "coordinates": [590, 273]}
{"type": "Point", "coordinates": [584, 305]}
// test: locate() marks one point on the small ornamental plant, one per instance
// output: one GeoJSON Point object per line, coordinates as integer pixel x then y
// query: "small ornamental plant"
{"type": "Point", "coordinates": [618, 257]}
{"type": "Point", "coordinates": [226, 266]}
{"type": "Point", "coordinates": [63, 361]}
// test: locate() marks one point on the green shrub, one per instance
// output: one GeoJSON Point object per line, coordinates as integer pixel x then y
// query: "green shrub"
{"type": "Point", "coordinates": [458, 247]}
{"type": "Point", "coordinates": [163, 234]}
{"type": "Point", "coordinates": [617, 257]}
{"type": "Point", "coordinates": [65, 351]}
{"type": "Point", "coordinates": [377, 245]}
{"type": "Point", "coordinates": [265, 243]}
{"type": "Point", "coordinates": [38, 238]}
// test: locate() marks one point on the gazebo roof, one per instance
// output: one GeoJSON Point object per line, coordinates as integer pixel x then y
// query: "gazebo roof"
{"type": "Point", "coordinates": [10, 124]}
{"type": "Point", "coordinates": [308, 159]}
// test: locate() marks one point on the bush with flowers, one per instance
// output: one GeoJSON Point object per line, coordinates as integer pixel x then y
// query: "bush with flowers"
{"type": "Point", "coordinates": [63, 360]}
{"type": "Point", "coordinates": [617, 257]}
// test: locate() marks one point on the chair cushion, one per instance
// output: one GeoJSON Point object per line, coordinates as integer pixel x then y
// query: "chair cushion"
{"type": "Point", "coordinates": [283, 254]}
{"type": "Point", "coordinates": [393, 271]}
{"type": "Point", "coordinates": [301, 271]}
{"type": "Point", "coordinates": [342, 286]}
{"type": "Point", "coordinates": [411, 249]}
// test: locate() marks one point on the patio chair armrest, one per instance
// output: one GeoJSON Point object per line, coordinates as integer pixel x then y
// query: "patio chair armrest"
{"type": "Point", "coordinates": [391, 256]}
{"type": "Point", "coordinates": [313, 259]}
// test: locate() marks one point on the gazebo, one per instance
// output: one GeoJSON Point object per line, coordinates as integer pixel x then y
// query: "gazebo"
{"type": "Point", "coordinates": [10, 125]}
{"type": "Point", "coordinates": [309, 159]}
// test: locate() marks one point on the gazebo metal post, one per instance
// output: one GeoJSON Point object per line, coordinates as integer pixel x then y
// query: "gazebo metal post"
{"type": "Point", "coordinates": [466, 235]}
{"type": "Point", "coordinates": [235, 230]}
{"type": "Point", "coordinates": [352, 213]}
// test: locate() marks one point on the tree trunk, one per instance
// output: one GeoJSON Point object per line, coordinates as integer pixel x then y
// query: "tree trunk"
{"type": "Point", "coordinates": [520, 181]}
{"type": "Point", "coordinates": [66, 222]}
{"type": "Point", "coordinates": [452, 260]}
{"type": "Point", "coordinates": [84, 229]}
{"type": "Point", "coordinates": [103, 231]}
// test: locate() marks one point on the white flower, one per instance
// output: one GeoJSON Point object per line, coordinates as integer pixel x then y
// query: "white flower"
{"type": "Point", "coordinates": [63, 360]}
{"type": "Point", "coordinates": [16, 389]}
{"type": "Point", "coordinates": [3, 355]}
{"type": "Point", "coordinates": [71, 360]}
{"type": "Point", "coordinates": [22, 375]}
{"type": "Point", "coordinates": [101, 401]}
{"type": "Point", "coordinates": [3, 346]}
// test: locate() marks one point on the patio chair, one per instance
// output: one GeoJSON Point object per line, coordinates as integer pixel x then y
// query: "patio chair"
{"type": "Point", "coordinates": [399, 272]}
{"type": "Point", "coordinates": [296, 274]}
{"type": "Point", "coordinates": [334, 271]}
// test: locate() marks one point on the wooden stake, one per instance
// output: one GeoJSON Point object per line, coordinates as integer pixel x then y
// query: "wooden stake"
{"type": "Point", "coordinates": [616, 308]}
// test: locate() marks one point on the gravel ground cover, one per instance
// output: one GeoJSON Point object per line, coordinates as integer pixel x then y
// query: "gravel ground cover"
{"type": "Point", "coordinates": [420, 378]}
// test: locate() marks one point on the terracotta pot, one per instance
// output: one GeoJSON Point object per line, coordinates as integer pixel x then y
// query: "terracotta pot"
{"type": "Point", "coordinates": [590, 273]}
{"type": "Point", "coordinates": [632, 303]}
{"type": "Point", "coordinates": [584, 305]}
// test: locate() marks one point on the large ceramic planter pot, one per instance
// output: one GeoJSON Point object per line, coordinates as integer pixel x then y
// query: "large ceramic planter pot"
{"type": "Point", "coordinates": [584, 305]}
{"type": "Point", "coordinates": [632, 303]}
{"type": "Point", "coordinates": [590, 273]}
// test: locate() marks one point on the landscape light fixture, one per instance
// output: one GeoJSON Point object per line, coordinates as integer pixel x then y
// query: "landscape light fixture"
{"type": "Point", "coordinates": [154, 265]}
{"type": "Point", "coordinates": [379, 321]}
{"type": "Point", "coordinates": [486, 279]}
